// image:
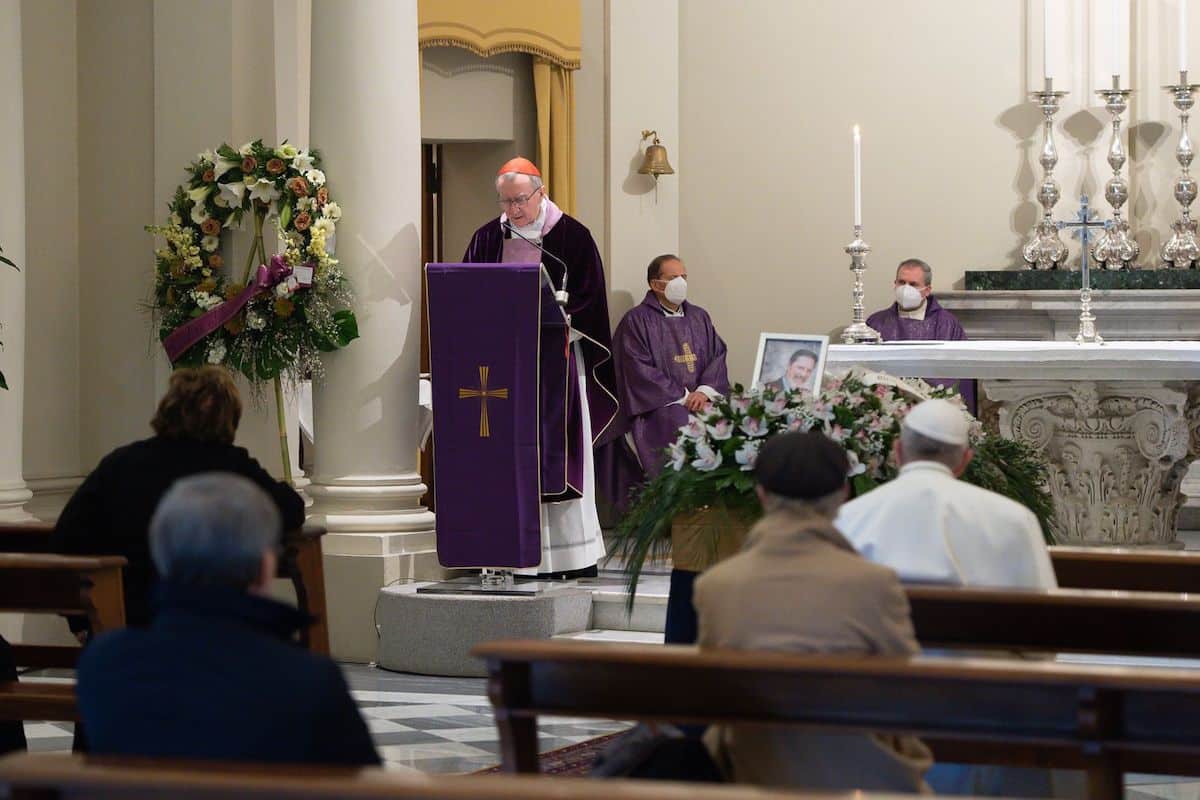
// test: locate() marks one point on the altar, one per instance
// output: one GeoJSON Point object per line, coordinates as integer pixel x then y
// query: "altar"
{"type": "Point", "coordinates": [1118, 422]}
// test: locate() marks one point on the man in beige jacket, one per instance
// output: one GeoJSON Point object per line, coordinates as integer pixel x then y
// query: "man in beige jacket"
{"type": "Point", "coordinates": [798, 586]}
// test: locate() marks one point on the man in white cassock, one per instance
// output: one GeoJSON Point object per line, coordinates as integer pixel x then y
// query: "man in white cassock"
{"type": "Point", "coordinates": [931, 527]}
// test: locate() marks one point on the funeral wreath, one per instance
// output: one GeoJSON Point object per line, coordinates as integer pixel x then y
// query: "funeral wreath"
{"type": "Point", "coordinates": [273, 317]}
{"type": "Point", "coordinates": [711, 463]}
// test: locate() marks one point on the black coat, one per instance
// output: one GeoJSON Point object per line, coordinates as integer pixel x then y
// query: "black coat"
{"type": "Point", "coordinates": [215, 677]}
{"type": "Point", "coordinates": [12, 733]}
{"type": "Point", "coordinates": [109, 514]}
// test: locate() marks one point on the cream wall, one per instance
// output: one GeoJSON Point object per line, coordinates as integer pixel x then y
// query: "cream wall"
{"type": "Point", "coordinates": [591, 129]}
{"type": "Point", "coordinates": [51, 429]}
{"type": "Point", "coordinates": [643, 93]}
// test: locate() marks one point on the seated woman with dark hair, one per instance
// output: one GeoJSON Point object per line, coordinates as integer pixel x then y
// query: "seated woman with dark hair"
{"type": "Point", "coordinates": [194, 428]}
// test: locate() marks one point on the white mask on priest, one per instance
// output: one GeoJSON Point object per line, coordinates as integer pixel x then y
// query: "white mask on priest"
{"type": "Point", "coordinates": [676, 290]}
{"type": "Point", "coordinates": [909, 297]}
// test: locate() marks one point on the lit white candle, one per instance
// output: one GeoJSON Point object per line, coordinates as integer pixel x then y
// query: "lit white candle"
{"type": "Point", "coordinates": [1183, 37]}
{"type": "Point", "coordinates": [1116, 37]}
{"type": "Point", "coordinates": [857, 178]}
{"type": "Point", "coordinates": [1045, 38]}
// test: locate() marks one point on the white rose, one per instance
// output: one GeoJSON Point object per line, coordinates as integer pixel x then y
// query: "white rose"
{"type": "Point", "coordinates": [216, 352]}
{"type": "Point", "coordinates": [210, 243]}
{"type": "Point", "coordinates": [333, 211]}
{"type": "Point", "coordinates": [315, 177]}
{"type": "Point", "coordinates": [303, 162]}
{"type": "Point", "coordinates": [254, 321]}
{"type": "Point", "coordinates": [283, 290]}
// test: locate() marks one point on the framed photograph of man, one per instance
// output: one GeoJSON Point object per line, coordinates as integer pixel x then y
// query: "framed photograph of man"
{"type": "Point", "coordinates": [788, 361]}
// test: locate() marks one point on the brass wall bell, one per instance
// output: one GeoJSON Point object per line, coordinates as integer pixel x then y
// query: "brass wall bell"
{"type": "Point", "coordinates": [655, 161]}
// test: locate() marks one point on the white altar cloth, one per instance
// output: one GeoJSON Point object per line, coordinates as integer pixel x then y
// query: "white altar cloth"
{"type": "Point", "coordinates": [1112, 361]}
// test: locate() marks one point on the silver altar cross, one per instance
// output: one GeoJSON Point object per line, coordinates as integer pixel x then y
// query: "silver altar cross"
{"type": "Point", "coordinates": [1085, 220]}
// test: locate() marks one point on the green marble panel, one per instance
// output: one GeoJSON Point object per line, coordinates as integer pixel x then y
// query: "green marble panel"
{"type": "Point", "coordinates": [1029, 279]}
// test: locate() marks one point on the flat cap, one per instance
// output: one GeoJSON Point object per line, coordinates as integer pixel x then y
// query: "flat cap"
{"type": "Point", "coordinates": [801, 465]}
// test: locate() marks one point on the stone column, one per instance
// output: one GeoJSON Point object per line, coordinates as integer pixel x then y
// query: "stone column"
{"type": "Point", "coordinates": [367, 490]}
{"type": "Point", "coordinates": [13, 492]}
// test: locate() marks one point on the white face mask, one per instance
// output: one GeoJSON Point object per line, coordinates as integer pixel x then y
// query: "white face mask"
{"type": "Point", "coordinates": [676, 290]}
{"type": "Point", "coordinates": [908, 298]}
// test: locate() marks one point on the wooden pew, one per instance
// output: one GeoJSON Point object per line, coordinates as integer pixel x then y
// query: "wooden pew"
{"type": "Point", "coordinates": [1127, 569]}
{"type": "Point", "coordinates": [1104, 720]}
{"type": "Point", "coordinates": [44, 583]}
{"type": "Point", "coordinates": [1060, 620]}
{"type": "Point", "coordinates": [300, 562]}
{"type": "Point", "coordinates": [49, 777]}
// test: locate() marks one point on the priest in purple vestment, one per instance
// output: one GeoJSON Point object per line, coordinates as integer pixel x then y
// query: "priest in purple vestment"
{"type": "Point", "coordinates": [917, 316]}
{"type": "Point", "coordinates": [531, 229]}
{"type": "Point", "coordinates": [670, 361]}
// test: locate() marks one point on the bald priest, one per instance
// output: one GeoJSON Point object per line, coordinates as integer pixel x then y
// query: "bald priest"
{"type": "Point", "coordinates": [532, 229]}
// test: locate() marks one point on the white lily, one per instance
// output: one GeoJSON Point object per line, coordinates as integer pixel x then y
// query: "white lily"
{"type": "Point", "coordinates": [333, 211]}
{"type": "Point", "coordinates": [264, 190]}
{"type": "Point", "coordinates": [287, 151]}
{"type": "Point", "coordinates": [223, 165]}
{"type": "Point", "coordinates": [246, 149]}
{"type": "Point", "coordinates": [233, 193]}
{"type": "Point", "coordinates": [199, 213]}
{"type": "Point", "coordinates": [303, 162]}
{"type": "Point", "coordinates": [208, 157]}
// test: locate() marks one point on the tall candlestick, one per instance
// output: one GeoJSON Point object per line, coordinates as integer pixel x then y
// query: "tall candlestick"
{"type": "Point", "coordinates": [1183, 37]}
{"type": "Point", "coordinates": [1045, 38]}
{"type": "Point", "coordinates": [857, 178]}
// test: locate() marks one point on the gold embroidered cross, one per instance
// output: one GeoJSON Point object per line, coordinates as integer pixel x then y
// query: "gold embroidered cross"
{"type": "Point", "coordinates": [483, 393]}
{"type": "Point", "coordinates": [688, 357]}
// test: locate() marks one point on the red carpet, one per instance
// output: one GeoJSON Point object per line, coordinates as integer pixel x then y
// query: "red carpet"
{"type": "Point", "coordinates": [571, 761]}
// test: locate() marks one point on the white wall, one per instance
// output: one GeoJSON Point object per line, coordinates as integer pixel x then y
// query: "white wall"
{"type": "Point", "coordinates": [591, 126]}
{"type": "Point", "coordinates": [643, 93]}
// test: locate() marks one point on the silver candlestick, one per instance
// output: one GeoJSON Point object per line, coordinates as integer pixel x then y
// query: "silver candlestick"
{"type": "Point", "coordinates": [1181, 251]}
{"type": "Point", "coordinates": [858, 331]}
{"type": "Point", "coordinates": [1045, 250]}
{"type": "Point", "coordinates": [1115, 248]}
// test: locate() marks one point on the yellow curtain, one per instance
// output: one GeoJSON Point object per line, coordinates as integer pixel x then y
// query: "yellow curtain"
{"type": "Point", "coordinates": [554, 90]}
{"type": "Point", "coordinates": [547, 29]}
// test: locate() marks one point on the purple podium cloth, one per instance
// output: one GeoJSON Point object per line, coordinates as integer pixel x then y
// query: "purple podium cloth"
{"type": "Point", "coordinates": [659, 359]}
{"type": "Point", "coordinates": [498, 353]}
{"type": "Point", "coordinates": [939, 325]}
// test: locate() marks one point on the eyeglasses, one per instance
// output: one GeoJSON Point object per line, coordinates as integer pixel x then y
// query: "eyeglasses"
{"type": "Point", "coordinates": [519, 200]}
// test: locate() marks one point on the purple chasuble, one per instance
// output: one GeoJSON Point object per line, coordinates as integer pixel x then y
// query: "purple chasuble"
{"type": "Point", "coordinates": [659, 359]}
{"type": "Point", "coordinates": [939, 325]}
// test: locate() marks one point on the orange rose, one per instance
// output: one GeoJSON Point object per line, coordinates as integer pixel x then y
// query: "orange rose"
{"type": "Point", "coordinates": [207, 285]}
{"type": "Point", "coordinates": [232, 290]}
{"type": "Point", "coordinates": [283, 307]}
{"type": "Point", "coordinates": [209, 176]}
{"type": "Point", "coordinates": [322, 196]}
{"type": "Point", "coordinates": [298, 186]}
{"type": "Point", "coordinates": [276, 166]}
{"type": "Point", "coordinates": [302, 221]}
{"type": "Point", "coordinates": [177, 269]}
{"type": "Point", "coordinates": [236, 325]}
{"type": "Point", "coordinates": [249, 164]}
{"type": "Point", "coordinates": [210, 227]}
{"type": "Point", "coordinates": [215, 261]}
{"type": "Point", "coordinates": [172, 297]}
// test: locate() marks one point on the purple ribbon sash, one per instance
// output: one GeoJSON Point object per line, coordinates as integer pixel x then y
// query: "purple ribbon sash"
{"type": "Point", "coordinates": [265, 280]}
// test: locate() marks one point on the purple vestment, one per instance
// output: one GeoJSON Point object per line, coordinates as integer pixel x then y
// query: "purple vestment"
{"type": "Point", "coordinates": [571, 241]}
{"type": "Point", "coordinates": [939, 325]}
{"type": "Point", "coordinates": [660, 359]}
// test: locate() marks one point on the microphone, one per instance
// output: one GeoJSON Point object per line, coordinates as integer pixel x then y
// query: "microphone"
{"type": "Point", "coordinates": [561, 295]}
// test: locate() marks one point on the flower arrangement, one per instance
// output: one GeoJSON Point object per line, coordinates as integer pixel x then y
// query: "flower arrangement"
{"type": "Point", "coordinates": [711, 462]}
{"type": "Point", "coordinates": [270, 322]}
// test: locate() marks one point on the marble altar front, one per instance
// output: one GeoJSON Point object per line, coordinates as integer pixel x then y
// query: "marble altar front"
{"type": "Point", "coordinates": [1118, 423]}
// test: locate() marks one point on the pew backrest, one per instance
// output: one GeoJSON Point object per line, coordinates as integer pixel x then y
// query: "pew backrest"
{"type": "Point", "coordinates": [1127, 569]}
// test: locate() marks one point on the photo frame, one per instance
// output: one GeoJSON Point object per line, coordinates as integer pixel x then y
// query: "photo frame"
{"type": "Point", "coordinates": [786, 357]}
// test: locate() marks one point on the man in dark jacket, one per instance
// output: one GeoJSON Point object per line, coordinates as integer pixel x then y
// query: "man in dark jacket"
{"type": "Point", "coordinates": [215, 676]}
{"type": "Point", "coordinates": [12, 733]}
{"type": "Point", "coordinates": [194, 427]}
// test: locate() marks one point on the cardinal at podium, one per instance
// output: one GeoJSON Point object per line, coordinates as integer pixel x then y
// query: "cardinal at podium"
{"type": "Point", "coordinates": [531, 229]}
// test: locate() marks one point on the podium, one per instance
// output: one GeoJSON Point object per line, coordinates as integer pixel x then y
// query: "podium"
{"type": "Point", "coordinates": [504, 408]}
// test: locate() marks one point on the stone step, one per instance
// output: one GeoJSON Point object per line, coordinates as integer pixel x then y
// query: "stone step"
{"type": "Point", "coordinates": [621, 636]}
